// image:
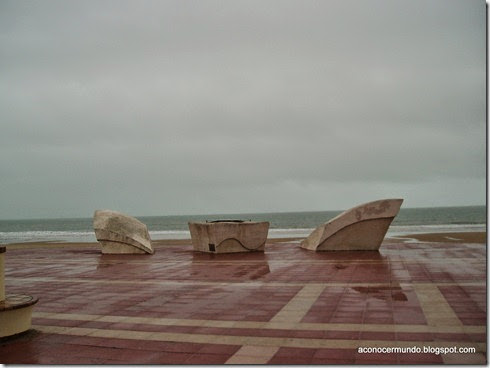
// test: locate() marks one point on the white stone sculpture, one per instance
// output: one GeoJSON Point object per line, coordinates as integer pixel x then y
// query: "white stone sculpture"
{"type": "Point", "coordinates": [121, 234]}
{"type": "Point", "coordinates": [360, 228]}
{"type": "Point", "coordinates": [228, 236]}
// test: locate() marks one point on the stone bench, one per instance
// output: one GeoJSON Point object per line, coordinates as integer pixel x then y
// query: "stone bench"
{"type": "Point", "coordinates": [15, 309]}
{"type": "Point", "coordinates": [228, 236]}
{"type": "Point", "coordinates": [360, 228]}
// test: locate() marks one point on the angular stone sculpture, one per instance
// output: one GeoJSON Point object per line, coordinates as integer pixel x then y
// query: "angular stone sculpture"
{"type": "Point", "coordinates": [15, 309]}
{"type": "Point", "coordinates": [360, 228]}
{"type": "Point", "coordinates": [121, 234]}
{"type": "Point", "coordinates": [229, 236]}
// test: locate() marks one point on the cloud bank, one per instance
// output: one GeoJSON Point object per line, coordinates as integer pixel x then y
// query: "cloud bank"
{"type": "Point", "coordinates": [181, 107]}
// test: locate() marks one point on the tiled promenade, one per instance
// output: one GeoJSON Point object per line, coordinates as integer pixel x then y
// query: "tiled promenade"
{"type": "Point", "coordinates": [284, 306]}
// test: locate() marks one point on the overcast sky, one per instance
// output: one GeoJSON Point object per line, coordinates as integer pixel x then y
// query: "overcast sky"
{"type": "Point", "coordinates": [196, 107]}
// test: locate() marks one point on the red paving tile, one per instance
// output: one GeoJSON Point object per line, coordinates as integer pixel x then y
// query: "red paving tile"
{"type": "Point", "coordinates": [274, 333]}
{"type": "Point", "coordinates": [329, 361]}
{"type": "Point", "coordinates": [335, 354]}
{"type": "Point", "coordinates": [308, 334]}
{"type": "Point", "coordinates": [376, 335]}
{"type": "Point", "coordinates": [467, 302]}
{"type": "Point", "coordinates": [376, 358]}
{"type": "Point", "coordinates": [370, 288]}
{"type": "Point", "coordinates": [86, 351]}
{"type": "Point", "coordinates": [450, 337]}
{"type": "Point", "coordinates": [203, 359]}
{"type": "Point", "coordinates": [343, 335]}
{"type": "Point", "coordinates": [56, 322]}
{"type": "Point", "coordinates": [295, 352]}
{"type": "Point", "coordinates": [414, 336]}
{"type": "Point", "coordinates": [478, 337]}
{"type": "Point", "coordinates": [181, 347]}
{"type": "Point", "coordinates": [289, 360]}
{"type": "Point", "coordinates": [421, 358]}
{"type": "Point", "coordinates": [219, 349]}
{"type": "Point", "coordinates": [100, 341]}
{"type": "Point", "coordinates": [162, 358]}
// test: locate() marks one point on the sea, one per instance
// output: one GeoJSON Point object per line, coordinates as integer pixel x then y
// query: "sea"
{"type": "Point", "coordinates": [282, 224]}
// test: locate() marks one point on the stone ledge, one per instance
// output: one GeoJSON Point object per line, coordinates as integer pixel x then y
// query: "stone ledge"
{"type": "Point", "coordinates": [17, 301]}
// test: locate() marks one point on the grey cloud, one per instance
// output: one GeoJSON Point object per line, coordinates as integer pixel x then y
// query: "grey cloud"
{"type": "Point", "coordinates": [197, 102]}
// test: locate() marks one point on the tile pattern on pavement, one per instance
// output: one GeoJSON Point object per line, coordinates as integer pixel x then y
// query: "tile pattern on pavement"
{"type": "Point", "coordinates": [285, 306]}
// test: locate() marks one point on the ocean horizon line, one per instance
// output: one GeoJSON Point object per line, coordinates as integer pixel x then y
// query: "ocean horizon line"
{"type": "Point", "coordinates": [408, 220]}
{"type": "Point", "coordinates": [229, 213]}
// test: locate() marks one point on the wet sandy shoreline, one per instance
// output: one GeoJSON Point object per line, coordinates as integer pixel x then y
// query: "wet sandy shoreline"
{"type": "Point", "coordinates": [450, 237]}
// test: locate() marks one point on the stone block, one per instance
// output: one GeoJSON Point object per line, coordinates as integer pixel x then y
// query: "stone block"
{"type": "Point", "coordinates": [121, 234]}
{"type": "Point", "coordinates": [229, 236]}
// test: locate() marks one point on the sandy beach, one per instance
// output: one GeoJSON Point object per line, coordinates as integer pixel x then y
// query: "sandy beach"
{"type": "Point", "coordinates": [452, 237]}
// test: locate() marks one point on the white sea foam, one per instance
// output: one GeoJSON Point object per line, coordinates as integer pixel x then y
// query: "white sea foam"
{"type": "Point", "coordinates": [170, 234]}
{"type": "Point", "coordinates": [392, 231]}
{"type": "Point", "coordinates": [89, 236]}
{"type": "Point", "coordinates": [30, 236]}
{"type": "Point", "coordinates": [397, 230]}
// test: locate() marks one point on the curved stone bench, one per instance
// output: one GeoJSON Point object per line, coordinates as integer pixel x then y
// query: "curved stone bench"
{"type": "Point", "coordinates": [121, 234]}
{"type": "Point", "coordinates": [229, 236]}
{"type": "Point", "coordinates": [360, 228]}
{"type": "Point", "coordinates": [15, 309]}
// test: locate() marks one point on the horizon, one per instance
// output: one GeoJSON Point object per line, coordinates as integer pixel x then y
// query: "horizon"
{"type": "Point", "coordinates": [225, 214]}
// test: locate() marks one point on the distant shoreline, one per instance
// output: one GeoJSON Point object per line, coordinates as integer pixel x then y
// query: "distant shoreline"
{"type": "Point", "coordinates": [88, 236]}
{"type": "Point", "coordinates": [282, 225]}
